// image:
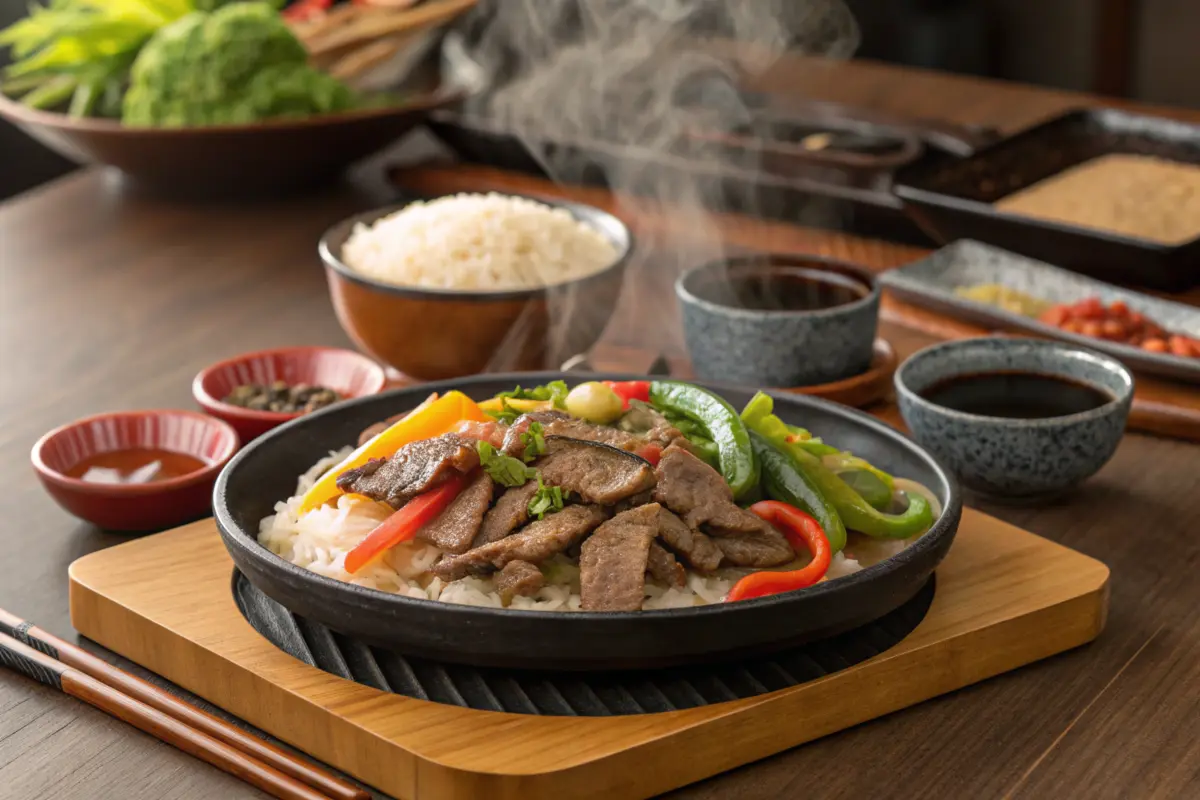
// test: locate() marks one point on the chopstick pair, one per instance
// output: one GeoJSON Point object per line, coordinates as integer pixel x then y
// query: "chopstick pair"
{"type": "Point", "coordinates": [74, 671]}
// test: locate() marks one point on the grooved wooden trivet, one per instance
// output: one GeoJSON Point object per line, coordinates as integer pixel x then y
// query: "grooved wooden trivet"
{"type": "Point", "coordinates": [1005, 597]}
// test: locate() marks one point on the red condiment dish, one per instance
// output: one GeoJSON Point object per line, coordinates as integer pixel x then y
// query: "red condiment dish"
{"type": "Point", "coordinates": [143, 506]}
{"type": "Point", "coordinates": [348, 373]}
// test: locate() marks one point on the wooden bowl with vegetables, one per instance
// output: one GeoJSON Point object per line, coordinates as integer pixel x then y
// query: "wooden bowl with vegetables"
{"type": "Point", "coordinates": [185, 100]}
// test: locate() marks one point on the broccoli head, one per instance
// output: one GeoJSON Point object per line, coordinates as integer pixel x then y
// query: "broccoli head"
{"type": "Point", "coordinates": [237, 64]}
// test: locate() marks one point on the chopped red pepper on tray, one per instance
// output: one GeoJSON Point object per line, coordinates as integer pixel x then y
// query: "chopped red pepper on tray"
{"type": "Point", "coordinates": [1116, 322]}
{"type": "Point", "coordinates": [404, 524]}
{"type": "Point", "coordinates": [630, 390]}
{"type": "Point", "coordinates": [804, 533]}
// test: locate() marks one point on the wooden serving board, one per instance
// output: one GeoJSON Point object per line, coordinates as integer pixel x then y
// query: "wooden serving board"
{"type": "Point", "coordinates": [1004, 598]}
{"type": "Point", "coordinates": [1160, 406]}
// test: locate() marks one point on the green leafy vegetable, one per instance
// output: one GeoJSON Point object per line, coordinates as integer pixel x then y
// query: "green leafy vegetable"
{"type": "Point", "coordinates": [548, 500]}
{"type": "Point", "coordinates": [504, 470]}
{"type": "Point", "coordinates": [76, 51]}
{"type": "Point", "coordinates": [534, 439]}
{"type": "Point", "coordinates": [239, 64]}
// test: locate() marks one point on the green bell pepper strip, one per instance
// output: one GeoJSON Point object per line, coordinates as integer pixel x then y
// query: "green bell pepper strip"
{"type": "Point", "coordinates": [855, 512]}
{"type": "Point", "coordinates": [759, 415]}
{"type": "Point", "coordinates": [705, 449]}
{"type": "Point", "coordinates": [722, 425]}
{"type": "Point", "coordinates": [784, 481]}
{"type": "Point", "coordinates": [868, 486]}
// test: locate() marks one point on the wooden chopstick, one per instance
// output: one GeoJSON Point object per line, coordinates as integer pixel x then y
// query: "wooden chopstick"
{"type": "Point", "coordinates": [269, 759]}
{"type": "Point", "coordinates": [385, 22]}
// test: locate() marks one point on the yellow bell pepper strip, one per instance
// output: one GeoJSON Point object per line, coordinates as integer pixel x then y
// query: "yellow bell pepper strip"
{"type": "Point", "coordinates": [404, 524]}
{"type": "Point", "coordinates": [507, 406]}
{"type": "Point", "coordinates": [432, 418]}
{"type": "Point", "coordinates": [804, 533]}
{"type": "Point", "coordinates": [499, 404]}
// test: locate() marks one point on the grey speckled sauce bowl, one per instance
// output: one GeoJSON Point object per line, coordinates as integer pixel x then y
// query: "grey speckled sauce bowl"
{"type": "Point", "coordinates": [1020, 459]}
{"type": "Point", "coordinates": [779, 320]}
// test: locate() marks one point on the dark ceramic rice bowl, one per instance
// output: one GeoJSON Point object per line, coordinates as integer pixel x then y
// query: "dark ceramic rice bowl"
{"type": "Point", "coordinates": [265, 473]}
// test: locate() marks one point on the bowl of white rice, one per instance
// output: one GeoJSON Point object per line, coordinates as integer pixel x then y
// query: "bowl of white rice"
{"type": "Point", "coordinates": [469, 283]}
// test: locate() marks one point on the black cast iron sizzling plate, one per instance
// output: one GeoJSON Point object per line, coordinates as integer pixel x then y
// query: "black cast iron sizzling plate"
{"type": "Point", "coordinates": [265, 473]}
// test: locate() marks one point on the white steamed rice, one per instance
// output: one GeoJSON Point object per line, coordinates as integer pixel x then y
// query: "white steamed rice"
{"type": "Point", "coordinates": [320, 539]}
{"type": "Point", "coordinates": [476, 241]}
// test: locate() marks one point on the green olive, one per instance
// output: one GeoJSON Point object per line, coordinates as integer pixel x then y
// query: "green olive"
{"type": "Point", "coordinates": [594, 402]}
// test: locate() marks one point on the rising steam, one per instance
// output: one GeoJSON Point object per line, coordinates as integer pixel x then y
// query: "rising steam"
{"type": "Point", "coordinates": [638, 76]}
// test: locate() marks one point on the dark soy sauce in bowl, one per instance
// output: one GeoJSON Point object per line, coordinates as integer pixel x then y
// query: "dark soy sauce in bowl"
{"type": "Point", "coordinates": [1015, 395]}
{"type": "Point", "coordinates": [781, 288]}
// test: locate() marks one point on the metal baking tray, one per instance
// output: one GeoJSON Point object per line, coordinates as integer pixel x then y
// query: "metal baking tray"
{"type": "Point", "coordinates": [953, 199]}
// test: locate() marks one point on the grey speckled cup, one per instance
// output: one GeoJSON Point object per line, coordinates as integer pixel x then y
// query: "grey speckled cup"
{"type": "Point", "coordinates": [778, 320]}
{"type": "Point", "coordinates": [1015, 458]}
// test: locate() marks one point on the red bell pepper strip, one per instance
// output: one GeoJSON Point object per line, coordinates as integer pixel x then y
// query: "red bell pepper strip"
{"type": "Point", "coordinates": [650, 452]}
{"type": "Point", "coordinates": [404, 524]}
{"type": "Point", "coordinates": [630, 390]}
{"type": "Point", "coordinates": [804, 533]}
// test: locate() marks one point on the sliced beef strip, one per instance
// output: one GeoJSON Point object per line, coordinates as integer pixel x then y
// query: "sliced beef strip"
{"type": "Point", "coordinates": [663, 566]}
{"type": "Point", "coordinates": [597, 473]}
{"type": "Point", "coordinates": [456, 527]}
{"type": "Point", "coordinates": [765, 547]}
{"type": "Point", "coordinates": [510, 512]}
{"type": "Point", "coordinates": [412, 469]}
{"type": "Point", "coordinates": [698, 493]}
{"type": "Point", "coordinates": [613, 561]}
{"type": "Point", "coordinates": [537, 542]}
{"type": "Point", "coordinates": [556, 423]}
{"type": "Point", "coordinates": [518, 578]}
{"type": "Point", "coordinates": [691, 545]}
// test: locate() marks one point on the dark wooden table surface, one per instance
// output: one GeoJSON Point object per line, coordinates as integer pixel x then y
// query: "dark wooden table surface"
{"type": "Point", "coordinates": [109, 300]}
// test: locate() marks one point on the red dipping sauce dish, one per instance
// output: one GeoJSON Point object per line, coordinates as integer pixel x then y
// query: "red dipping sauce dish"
{"type": "Point", "coordinates": [348, 373]}
{"type": "Point", "coordinates": [172, 459]}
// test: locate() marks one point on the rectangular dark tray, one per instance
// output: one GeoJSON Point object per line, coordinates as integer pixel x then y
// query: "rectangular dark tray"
{"type": "Point", "coordinates": [952, 199]}
{"type": "Point", "coordinates": [931, 283]}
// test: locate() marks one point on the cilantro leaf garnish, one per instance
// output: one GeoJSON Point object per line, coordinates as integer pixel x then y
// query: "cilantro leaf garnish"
{"type": "Point", "coordinates": [554, 391]}
{"type": "Point", "coordinates": [504, 470]}
{"type": "Point", "coordinates": [547, 500]}
{"type": "Point", "coordinates": [534, 440]}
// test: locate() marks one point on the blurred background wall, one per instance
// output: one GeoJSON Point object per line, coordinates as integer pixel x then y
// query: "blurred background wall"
{"type": "Point", "coordinates": [1145, 49]}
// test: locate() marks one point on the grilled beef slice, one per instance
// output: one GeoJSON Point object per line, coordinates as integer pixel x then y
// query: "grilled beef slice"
{"type": "Point", "coordinates": [691, 545]}
{"type": "Point", "coordinates": [663, 566]}
{"type": "Point", "coordinates": [510, 512]}
{"type": "Point", "coordinates": [613, 561]}
{"type": "Point", "coordinates": [537, 542]}
{"type": "Point", "coordinates": [556, 423]}
{"type": "Point", "coordinates": [698, 493]}
{"type": "Point", "coordinates": [518, 578]}
{"type": "Point", "coordinates": [597, 473]}
{"type": "Point", "coordinates": [765, 547]}
{"type": "Point", "coordinates": [456, 527]}
{"type": "Point", "coordinates": [411, 470]}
